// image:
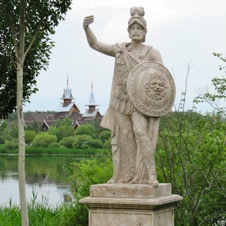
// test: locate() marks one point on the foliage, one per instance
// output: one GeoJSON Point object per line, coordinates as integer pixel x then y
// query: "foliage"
{"type": "Point", "coordinates": [53, 130]}
{"type": "Point", "coordinates": [44, 140]}
{"type": "Point", "coordinates": [86, 129]}
{"type": "Point", "coordinates": [68, 141]}
{"type": "Point", "coordinates": [104, 135]}
{"type": "Point", "coordinates": [60, 122]}
{"type": "Point", "coordinates": [86, 141]}
{"type": "Point", "coordinates": [57, 150]}
{"type": "Point", "coordinates": [65, 131]}
{"type": "Point", "coordinates": [34, 126]}
{"type": "Point", "coordinates": [41, 18]}
{"type": "Point", "coordinates": [216, 99]}
{"type": "Point", "coordinates": [39, 214]}
{"type": "Point", "coordinates": [97, 170]}
{"type": "Point", "coordinates": [80, 140]}
{"type": "Point", "coordinates": [191, 154]}
{"type": "Point", "coordinates": [107, 144]}
{"type": "Point", "coordinates": [93, 143]}
{"type": "Point", "coordinates": [29, 136]}
{"type": "Point", "coordinates": [11, 145]}
{"type": "Point", "coordinates": [54, 145]}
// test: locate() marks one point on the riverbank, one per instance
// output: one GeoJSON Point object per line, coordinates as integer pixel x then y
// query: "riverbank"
{"type": "Point", "coordinates": [30, 150]}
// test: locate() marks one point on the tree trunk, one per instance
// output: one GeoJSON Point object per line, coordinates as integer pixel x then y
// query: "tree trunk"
{"type": "Point", "coordinates": [21, 158]}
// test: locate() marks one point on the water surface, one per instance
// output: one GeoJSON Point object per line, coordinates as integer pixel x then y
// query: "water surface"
{"type": "Point", "coordinates": [46, 179]}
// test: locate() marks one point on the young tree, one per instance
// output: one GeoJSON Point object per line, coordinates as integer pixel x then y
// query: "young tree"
{"type": "Point", "coordinates": [25, 26]}
{"type": "Point", "coordinates": [218, 97]}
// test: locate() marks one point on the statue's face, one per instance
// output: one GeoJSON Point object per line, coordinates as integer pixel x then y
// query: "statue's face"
{"type": "Point", "coordinates": [137, 32]}
{"type": "Point", "coordinates": [155, 88]}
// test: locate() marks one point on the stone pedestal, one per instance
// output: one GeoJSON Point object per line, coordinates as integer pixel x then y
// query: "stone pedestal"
{"type": "Point", "coordinates": [131, 205]}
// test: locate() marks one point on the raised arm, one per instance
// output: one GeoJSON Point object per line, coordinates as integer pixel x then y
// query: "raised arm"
{"type": "Point", "coordinates": [92, 40]}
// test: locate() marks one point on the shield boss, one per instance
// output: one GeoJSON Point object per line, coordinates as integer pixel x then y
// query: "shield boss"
{"type": "Point", "coordinates": [151, 89]}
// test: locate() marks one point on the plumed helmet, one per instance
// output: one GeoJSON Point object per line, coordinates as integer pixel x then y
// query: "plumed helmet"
{"type": "Point", "coordinates": [137, 15]}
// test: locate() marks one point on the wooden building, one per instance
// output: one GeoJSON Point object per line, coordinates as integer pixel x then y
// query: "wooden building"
{"type": "Point", "coordinates": [66, 109]}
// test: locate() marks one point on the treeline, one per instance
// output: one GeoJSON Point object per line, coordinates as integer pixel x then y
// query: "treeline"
{"type": "Point", "coordinates": [59, 135]}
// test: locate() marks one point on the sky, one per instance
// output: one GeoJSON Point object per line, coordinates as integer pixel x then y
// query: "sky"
{"type": "Point", "coordinates": [185, 32]}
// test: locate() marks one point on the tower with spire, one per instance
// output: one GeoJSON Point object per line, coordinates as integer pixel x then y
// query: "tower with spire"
{"type": "Point", "coordinates": [68, 109]}
{"type": "Point", "coordinates": [67, 96]}
{"type": "Point", "coordinates": [68, 106]}
{"type": "Point", "coordinates": [92, 111]}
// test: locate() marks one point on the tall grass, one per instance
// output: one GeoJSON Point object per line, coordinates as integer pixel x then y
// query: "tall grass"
{"type": "Point", "coordinates": [40, 214]}
{"type": "Point", "coordinates": [51, 151]}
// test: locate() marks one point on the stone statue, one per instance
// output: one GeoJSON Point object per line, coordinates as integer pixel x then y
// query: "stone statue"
{"type": "Point", "coordinates": [142, 91]}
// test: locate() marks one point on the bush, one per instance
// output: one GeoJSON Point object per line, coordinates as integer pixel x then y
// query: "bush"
{"type": "Point", "coordinates": [104, 135]}
{"type": "Point", "coordinates": [97, 170]}
{"type": "Point", "coordinates": [94, 143]}
{"type": "Point", "coordinates": [11, 145]}
{"type": "Point", "coordinates": [65, 131]}
{"type": "Point", "coordinates": [68, 142]}
{"type": "Point", "coordinates": [107, 143]}
{"type": "Point", "coordinates": [44, 140]}
{"type": "Point", "coordinates": [87, 129]}
{"type": "Point", "coordinates": [54, 145]}
{"type": "Point", "coordinates": [80, 140]}
{"type": "Point", "coordinates": [29, 136]}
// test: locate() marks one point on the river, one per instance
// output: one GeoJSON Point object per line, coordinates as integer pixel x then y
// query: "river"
{"type": "Point", "coordinates": [46, 179]}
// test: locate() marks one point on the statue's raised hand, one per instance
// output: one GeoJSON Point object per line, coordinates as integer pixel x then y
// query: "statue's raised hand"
{"type": "Point", "coordinates": [87, 21]}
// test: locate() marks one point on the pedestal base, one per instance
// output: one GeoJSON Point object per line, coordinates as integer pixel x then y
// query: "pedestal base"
{"type": "Point", "coordinates": [131, 205]}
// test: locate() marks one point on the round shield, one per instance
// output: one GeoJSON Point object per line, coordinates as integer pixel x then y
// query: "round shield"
{"type": "Point", "coordinates": [151, 89]}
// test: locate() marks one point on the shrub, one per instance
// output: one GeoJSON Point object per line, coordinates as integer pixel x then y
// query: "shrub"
{"type": "Point", "coordinates": [54, 145]}
{"type": "Point", "coordinates": [97, 170]}
{"type": "Point", "coordinates": [11, 145]}
{"type": "Point", "coordinates": [80, 140]}
{"type": "Point", "coordinates": [65, 131]}
{"type": "Point", "coordinates": [87, 129]}
{"type": "Point", "coordinates": [104, 135]}
{"type": "Point", "coordinates": [107, 144]}
{"type": "Point", "coordinates": [29, 136]}
{"type": "Point", "coordinates": [94, 143]}
{"type": "Point", "coordinates": [44, 140]}
{"type": "Point", "coordinates": [68, 142]}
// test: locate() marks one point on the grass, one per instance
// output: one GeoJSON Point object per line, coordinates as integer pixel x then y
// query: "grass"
{"type": "Point", "coordinates": [51, 151]}
{"type": "Point", "coordinates": [40, 214]}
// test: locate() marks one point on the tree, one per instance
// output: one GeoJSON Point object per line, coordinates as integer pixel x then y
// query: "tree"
{"type": "Point", "coordinates": [24, 39]}
{"type": "Point", "coordinates": [218, 97]}
{"type": "Point", "coordinates": [191, 154]}
{"type": "Point", "coordinates": [65, 131]}
{"type": "Point", "coordinates": [86, 129]}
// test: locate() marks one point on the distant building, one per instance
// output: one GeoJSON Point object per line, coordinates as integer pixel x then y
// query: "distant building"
{"type": "Point", "coordinates": [67, 109]}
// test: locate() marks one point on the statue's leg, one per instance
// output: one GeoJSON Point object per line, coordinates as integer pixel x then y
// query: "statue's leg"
{"type": "Point", "coordinates": [115, 158]}
{"type": "Point", "coordinates": [153, 128]}
{"type": "Point", "coordinates": [123, 150]}
{"type": "Point", "coordinates": [146, 148]}
{"type": "Point", "coordinates": [128, 147]}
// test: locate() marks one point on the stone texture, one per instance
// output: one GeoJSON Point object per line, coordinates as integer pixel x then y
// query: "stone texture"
{"type": "Point", "coordinates": [103, 217]}
{"type": "Point", "coordinates": [129, 190]}
{"type": "Point", "coordinates": [131, 205]}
